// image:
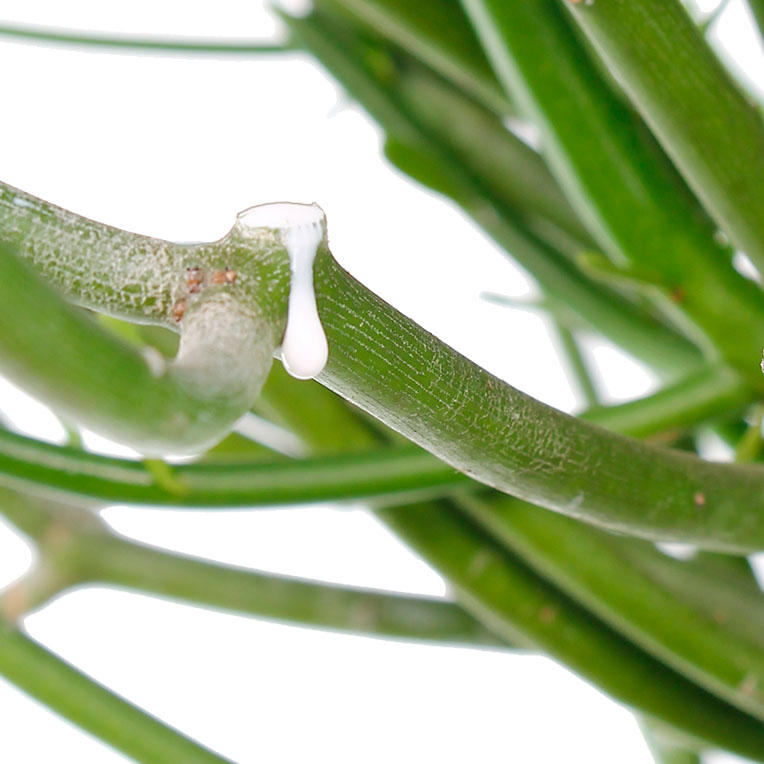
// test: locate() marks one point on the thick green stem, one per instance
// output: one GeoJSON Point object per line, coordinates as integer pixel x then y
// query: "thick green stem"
{"type": "Point", "coordinates": [390, 367]}
{"type": "Point", "coordinates": [702, 119]}
{"type": "Point", "coordinates": [633, 202]}
{"type": "Point", "coordinates": [82, 701]}
{"type": "Point", "coordinates": [404, 376]}
{"type": "Point", "coordinates": [227, 298]}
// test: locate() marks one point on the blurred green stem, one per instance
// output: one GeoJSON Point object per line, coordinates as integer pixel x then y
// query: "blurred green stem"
{"type": "Point", "coordinates": [700, 116]}
{"type": "Point", "coordinates": [152, 45]}
{"type": "Point", "coordinates": [50, 680]}
{"type": "Point", "coordinates": [436, 135]}
{"type": "Point", "coordinates": [76, 548]}
{"type": "Point", "coordinates": [631, 199]}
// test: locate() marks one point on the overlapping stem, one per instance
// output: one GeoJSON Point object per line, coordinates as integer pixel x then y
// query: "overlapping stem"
{"type": "Point", "coordinates": [444, 154]}
{"type": "Point", "coordinates": [702, 119]}
{"type": "Point", "coordinates": [77, 548]}
{"type": "Point", "coordinates": [389, 474]}
{"type": "Point", "coordinates": [229, 326]}
{"type": "Point", "coordinates": [631, 199]}
{"type": "Point", "coordinates": [438, 34]}
{"type": "Point", "coordinates": [529, 607]}
{"type": "Point", "coordinates": [78, 698]}
{"type": "Point", "coordinates": [404, 376]}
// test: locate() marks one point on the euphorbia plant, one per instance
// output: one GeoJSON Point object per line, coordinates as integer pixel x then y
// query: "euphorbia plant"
{"type": "Point", "coordinates": [645, 194]}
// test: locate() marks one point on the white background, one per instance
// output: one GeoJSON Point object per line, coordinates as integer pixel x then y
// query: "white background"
{"type": "Point", "coordinates": [174, 147]}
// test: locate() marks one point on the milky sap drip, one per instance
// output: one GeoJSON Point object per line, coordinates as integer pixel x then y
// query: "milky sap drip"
{"type": "Point", "coordinates": [304, 350]}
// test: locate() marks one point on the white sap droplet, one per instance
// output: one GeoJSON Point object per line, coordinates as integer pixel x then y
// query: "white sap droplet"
{"type": "Point", "coordinates": [304, 350]}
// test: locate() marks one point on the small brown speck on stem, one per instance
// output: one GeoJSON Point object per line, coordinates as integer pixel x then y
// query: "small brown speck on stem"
{"type": "Point", "coordinates": [547, 614]}
{"type": "Point", "coordinates": [699, 498]}
{"type": "Point", "coordinates": [178, 309]}
{"type": "Point", "coordinates": [194, 279]}
{"type": "Point", "coordinates": [227, 276]}
{"type": "Point", "coordinates": [677, 295]}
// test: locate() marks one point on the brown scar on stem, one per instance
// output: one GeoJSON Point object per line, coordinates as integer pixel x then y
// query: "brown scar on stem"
{"type": "Point", "coordinates": [194, 279]}
{"type": "Point", "coordinates": [178, 309]}
{"type": "Point", "coordinates": [699, 498]}
{"type": "Point", "coordinates": [547, 614]}
{"type": "Point", "coordinates": [749, 686]}
{"type": "Point", "coordinates": [226, 276]}
{"type": "Point", "coordinates": [677, 294]}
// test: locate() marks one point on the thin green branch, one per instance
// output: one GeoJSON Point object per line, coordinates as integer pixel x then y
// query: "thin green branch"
{"type": "Point", "coordinates": [77, 548]}
{"type": "Point", "coordinates": [578, 366]}
{"type": "Point", "coordinates": [389, 474]}
{"type": "Point", "coordinates": [712, 17]}
{"type": "Point", "coordinates": [663, 748]}
{"type": "Point", "coordinates": [702, 119]}
{"type": "Point", "coordinates": [634, 203]}
{"type": "Point", "coordinates": [82, 701]}
{"type": "Point", "coordinates": [750, 447]}
{"type": "Point", "coordinates": [392, 474]}
{"type": "Point", "coordinates": [129, 44]}
{"type": "Point", "coordinates": [436, 33]}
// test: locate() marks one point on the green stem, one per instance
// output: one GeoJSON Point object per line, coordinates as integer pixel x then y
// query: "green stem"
{"type": "Point", "coordinates": [384, 363]}
{"type": "Point", "coordinates": [387, 365]}
{"type": "Point", "coordinates": [712, 17]}
{"type": "Point", "coordinates": [665, 750]}
{"type": "Point", "coordinates": [82, 701]}
{"type": "Point", "coordinates": [631, 199]}
{"type": "Point", "coordinates": [229, 330]}
{"type": "Point", "coordinates": [128, 44]}
{"type": "Point", "coordinates": [392, 474]}
{"type": "Point", "coordinates": [702, 119]}
{"type": "Point", "coordinates": [436, 33]}
{"type": "Point", "coordinates": [757, 11]}
{"type": "Point", "coordinates": [749, 448]}
{"type": "Point", "coordinates": [579, 368]}
{"type": "Point", "coordinates": [77, 548]}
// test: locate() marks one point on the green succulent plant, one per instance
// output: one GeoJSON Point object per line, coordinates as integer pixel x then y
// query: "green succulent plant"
{"type": "Point", "coordinates": [632, 218]}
